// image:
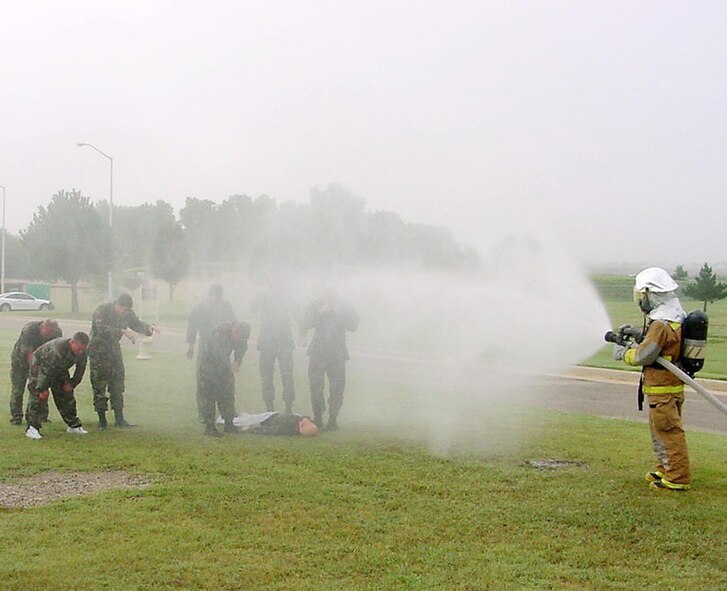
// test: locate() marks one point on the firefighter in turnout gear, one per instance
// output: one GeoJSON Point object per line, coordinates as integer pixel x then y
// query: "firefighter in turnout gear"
{"type": "Point", "coordinates": [32, 336]}
{"type": "Point", "coordinates": [111, 322]}
{"type": "Point", "coordinates": [49, 371]}
{"type": "Point", "coordinates": [654, 291]}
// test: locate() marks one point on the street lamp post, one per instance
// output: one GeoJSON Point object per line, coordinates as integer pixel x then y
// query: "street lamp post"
{"type": "Point", "coordinates": [111, 200]}
{"type": "Point", "coordinates": [2, 256]}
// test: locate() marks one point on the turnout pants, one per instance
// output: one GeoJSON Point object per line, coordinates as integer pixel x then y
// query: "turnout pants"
{"type": "Point", "coordinates": [667, 436]}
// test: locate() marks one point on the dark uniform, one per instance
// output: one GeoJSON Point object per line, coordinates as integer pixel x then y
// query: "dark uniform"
{"type": "Point", "coordinates": [328, 354]}
{"type": "Point", "coordinates": [107, 361]}
{"type": "Point", "coordinates": [202, 320]}
{"type": "Point", "coordinates": [29, 340]}
{"type": "Point", "coordinates": [215, 380]}
{"type": "Point", "coordinates": [275, 342]}
{"type": "Point", "coordinates": [278, 424]}
{"type": "Point", "coordinates": [49, 370]}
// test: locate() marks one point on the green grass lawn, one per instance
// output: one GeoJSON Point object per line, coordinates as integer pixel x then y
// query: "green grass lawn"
{"type": "Point", "coordinates": [354, 509]}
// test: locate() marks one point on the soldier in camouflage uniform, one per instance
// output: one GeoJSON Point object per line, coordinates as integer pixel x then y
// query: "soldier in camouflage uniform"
{"type": "Point", "coordinates": [32, 336]}
{"type": "Point", "coordinates": [276, 423]}
{"type": "Point", "coordinates": [49, 370]}
{"type": "Point", "coordinates": [111, 322]}
{"type": "Point", "coordinates": [331, 318]}
{"type": "Point", "coordinates": [275, 342]}
{"type": "Point", "coordinates": [216, 374]}
{"type": "Point", "coordinates": [202, 320]}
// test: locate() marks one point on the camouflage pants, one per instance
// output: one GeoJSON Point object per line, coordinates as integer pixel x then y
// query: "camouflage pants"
{"type": "Point", "coordinates": [19, 370]}
{"type": "Point", "coordinates": [318, 369]}
{"type": "Point", "coordinates": [217, 390]}
{"type": "Point", "coordinates": [267, 373]}
{"type": "Point", "coordinates": [107, 373]}
{"type": "Point", "coordinates": [65, 403]}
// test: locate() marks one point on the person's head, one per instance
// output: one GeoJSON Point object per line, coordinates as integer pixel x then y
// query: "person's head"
{"type": "Point", "coordinates": [215, 292]}
{"type": "Point", "coordinates": [78, 343]}
{"type": "Point", "coordinates": [655, 294]}
{"type": "Point", "coordinates": [48, 327]}
{"type": "Point", "coordinates": [123, 304]}
{"type": "Point", "coordinates": [307, 428]}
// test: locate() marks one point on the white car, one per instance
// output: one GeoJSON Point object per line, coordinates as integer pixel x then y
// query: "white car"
{"type": "Point", "coordinates": [19, 300]}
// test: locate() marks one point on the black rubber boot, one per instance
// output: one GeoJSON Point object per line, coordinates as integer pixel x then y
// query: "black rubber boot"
{"type": "Point", "coordinates": [102, 424]}
{"type": "Point", "coordinates": [211, 431]}
{"type": "Point", "coordinates": [120, 421]}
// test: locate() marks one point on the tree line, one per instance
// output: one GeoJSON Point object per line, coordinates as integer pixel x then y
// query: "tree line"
{"type": "Point", "coordinates": [70, 239]}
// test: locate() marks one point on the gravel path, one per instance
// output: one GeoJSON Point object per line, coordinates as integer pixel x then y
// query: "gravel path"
{"type": "Point", "coordinates": [53, 486]}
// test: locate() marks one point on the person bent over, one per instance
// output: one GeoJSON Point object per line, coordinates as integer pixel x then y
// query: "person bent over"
{"type": "Point", "coordinates": [655, 294]}
{"type": "Point", "coordinates": [49, 370]}
{"type": "Point", "coordinates": [218, 364]}
{"type": "Point", "coordinates": [111, 322]}
{"type": "Point", "coordinates": [32, 336]}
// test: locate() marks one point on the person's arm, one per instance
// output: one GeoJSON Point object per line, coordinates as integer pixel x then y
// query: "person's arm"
{"type": "Point", "coordinates": [42, 380]}
{"type": "Point", "coordinates": [137, 325]}
{"type": "Point", "coordinates": [312, 316]}
{"type": "Point", "coordinates": [79, 371]}
{"type": "Point", "coordinates": [650, 348]}
{"type": "Point", "coordinates": [240, 347]}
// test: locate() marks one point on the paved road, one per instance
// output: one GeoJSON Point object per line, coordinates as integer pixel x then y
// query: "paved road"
{"type": "Point", "coordinates": [604, 393]}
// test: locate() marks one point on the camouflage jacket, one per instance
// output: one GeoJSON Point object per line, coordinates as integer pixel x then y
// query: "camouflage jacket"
{"type": "Point", "coordinates": [329, 339]}
{"type": "Point", "coordinates": [276, 310]}
{"type": "Point", "coordinates": [204, 317]}
{"type": "Point", "coordinates": [30, 338]}
{"type": "Point", "coordinates": [216, 356]}
{"type": "Point", "coordinates": [107, 328]}
{"type": "Point", "coordinates": [51, 362]}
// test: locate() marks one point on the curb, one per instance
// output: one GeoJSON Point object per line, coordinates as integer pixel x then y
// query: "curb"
{"type": "Point", "coordinates": [595, 374]}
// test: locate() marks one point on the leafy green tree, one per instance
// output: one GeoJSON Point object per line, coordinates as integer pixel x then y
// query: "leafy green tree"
{"type": "Point", "coordinates": [67, 240]}
{"type": "Point", "coordinates": [706, 288]}
{"type": "Point", "coordinates": [170, 256]}
{"type": "Point", "coordinates": [680, 273]}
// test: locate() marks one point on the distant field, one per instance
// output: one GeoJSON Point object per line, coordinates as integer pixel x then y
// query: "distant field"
{"type": "Point", "coordinates": [616, 292]}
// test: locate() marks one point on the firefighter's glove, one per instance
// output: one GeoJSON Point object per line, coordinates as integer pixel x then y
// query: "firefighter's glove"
{"type": "Point", "coordinates": [619, 351]}
{"type": "Point", "coordinates": [43, 395]}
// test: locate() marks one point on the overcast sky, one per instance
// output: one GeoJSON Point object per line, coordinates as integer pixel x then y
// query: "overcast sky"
{"type": "Point", "coordinates": [603, 124]}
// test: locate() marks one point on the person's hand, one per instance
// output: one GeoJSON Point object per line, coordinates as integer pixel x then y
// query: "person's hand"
{"type": "Point", "coordinates": [130, 335]}
{"type": "Point", "coordinates": [67, 387]}
{"type": "Point", "coordinates": [235, 366]}
{"type": "Point", "coordinates": [190, 352]}
{"type": "Point", "coordinates": [43, 395]}
{"type": "Point", "coordinates": [619, 351]}
{"type": "Point", "coordinates": [155, 329]}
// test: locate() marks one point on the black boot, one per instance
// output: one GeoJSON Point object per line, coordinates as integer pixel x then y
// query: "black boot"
{"type": "Point", "coordinates": [102, 424]}
{"type": "Point", "coordinates": [211, 431]}
{"type": "Point", "coordinates": [230, 427]}
{"type": "Point", "coordinates": [120, 421]}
